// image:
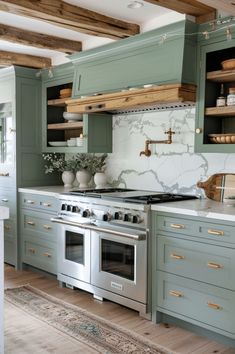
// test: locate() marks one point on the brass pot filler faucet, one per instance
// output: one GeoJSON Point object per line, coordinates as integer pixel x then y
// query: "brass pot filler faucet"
{"type": "Point", "coordinates": [147, 152]}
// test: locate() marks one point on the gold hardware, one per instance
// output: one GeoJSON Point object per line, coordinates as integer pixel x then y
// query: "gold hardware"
{"type": "Point", "coordinates": [176, 293]}
{"type": "Point", "coordinates": [4, 174]}
{"type": "Point", "coordinates": [7, 227]}
{"type": "Point", "coordinates": [198, 130]}
{"type": "Point", "coordinates": [31, 223]}
{"type": "Point", "coordinates": [215, 232]}
{"type": "Point", "coordinates": [11, 130]}
{"type": "Point", "coordinates": [47, 227]}
{"type": "Point", "coordinates": [177, 226]}
{"type": "Point", "coordinates": [176, 256]}
{"type": "Point", "coordinates": [5, 200]}
{"type": "Point", "coordinates": [32, 250]}
{"type": "Point", "coordinates": [214, 265]}
{"type": "Point", "coordinates": [147, 152]}
{"type": "Point", "coordinates": [30, 201]}
{"type": "Point", "coordinates": [47, 254]}
{"type": "Point", "coordinates": [46, 204]}
{"type": "Point", "coordinates": [214, 306]}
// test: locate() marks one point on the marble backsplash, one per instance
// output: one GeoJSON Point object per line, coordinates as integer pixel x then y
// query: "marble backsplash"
{"type": "Point", "coordinates": [171, 168]}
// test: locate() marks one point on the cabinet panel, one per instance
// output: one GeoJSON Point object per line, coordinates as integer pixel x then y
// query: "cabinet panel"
{"type": "Point", "coordinates": [41, 202]}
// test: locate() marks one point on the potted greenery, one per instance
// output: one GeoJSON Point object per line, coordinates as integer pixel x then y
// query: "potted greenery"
{"type": "Point", "coordinates": [89, 165]}
{"type": "Point", "coordinates": [56, 162]}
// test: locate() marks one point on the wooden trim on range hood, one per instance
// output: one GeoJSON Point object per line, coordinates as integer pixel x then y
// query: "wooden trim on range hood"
{"type": "Point", "coordinates": [174, 94]}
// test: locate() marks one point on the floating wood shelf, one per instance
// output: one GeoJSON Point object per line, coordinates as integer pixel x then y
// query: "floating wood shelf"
{"type": "Point", "coordinates": [65, 126]}
{"type": "Point", "coordinates": [58, 102]}
{"type": "Point", "coordinates": [221, 76]}
{"type": "Point", "coordinates": [227, 111]}
{"type": "Point", "coordinates": [144, 97]}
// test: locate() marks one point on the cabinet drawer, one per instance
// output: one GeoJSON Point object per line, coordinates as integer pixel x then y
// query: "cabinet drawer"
{"type": "Point", "coordinates": [193, 228]}
{"type": "Point", "coordinates": [204, 303]}
{"type": "Point", "coordinates": [42, 202]}
{"type": "Point", "coordinates": [203, 262]}
{"type": "Point", "coordinates": [40, 256]}
{"type": "Point", "coordinates": [38, 225]}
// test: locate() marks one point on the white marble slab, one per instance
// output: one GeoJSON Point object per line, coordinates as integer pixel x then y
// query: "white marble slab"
{"type": "Point", "coordinates": [52, 191]}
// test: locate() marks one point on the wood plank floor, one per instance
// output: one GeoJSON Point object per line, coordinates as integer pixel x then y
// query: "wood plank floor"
{"type": "Point", "coordinates": [169, 336]}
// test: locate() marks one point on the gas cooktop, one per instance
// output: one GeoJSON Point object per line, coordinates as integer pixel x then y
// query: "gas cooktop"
{"type": "Point", "coordinates": [131, 195]}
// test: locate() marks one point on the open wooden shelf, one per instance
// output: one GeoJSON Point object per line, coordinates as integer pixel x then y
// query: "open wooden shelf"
{"type": "Point", "coordinates": [221, 76]}
{"type": "Point", "coordinates": [58, 102]}
{"type": "Point", "coordinates": [65, 126]}
{"type": "Point", "coordinates": [227, 111]}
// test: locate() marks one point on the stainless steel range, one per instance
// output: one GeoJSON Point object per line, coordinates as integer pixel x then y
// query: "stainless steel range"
{"type": "Point", "coordinates": [104, 243]}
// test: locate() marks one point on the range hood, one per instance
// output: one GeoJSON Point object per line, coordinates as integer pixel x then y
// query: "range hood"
{"type": "Point", "coordinates": [162, 96]}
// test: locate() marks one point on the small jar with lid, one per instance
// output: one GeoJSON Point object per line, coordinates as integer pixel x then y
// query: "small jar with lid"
{"type": "Point", "coordinates": [231, 97]}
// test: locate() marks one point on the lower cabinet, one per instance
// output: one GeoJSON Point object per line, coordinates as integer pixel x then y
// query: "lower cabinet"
{"type": "Point", "coordinates": [37, 233]}
{"type": "Point", "coordinates": [193, 271]}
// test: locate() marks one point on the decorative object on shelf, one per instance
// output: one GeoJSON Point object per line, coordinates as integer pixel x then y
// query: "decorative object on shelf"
{"type": "Point", "coordinates": [222, 138]}
{"type": "Point", "coordinates": [73, 116]}
{"type": "Point", "coordinates": [219, 187]}
{"type": "Point", "coordinates": [231, 96]}
{"type": "Point", "coordinates": [147, 152]}
{"type": "Point", "coordinates": [228, 64]}
{"type": "Point", "coordinates": [68, 178]}
{"type": "Point", "coordinates": [64, 93]}
{"type": "Point", "coordinates": [57, 143]}
{"type": "Point", "coordinates": [221, 100]}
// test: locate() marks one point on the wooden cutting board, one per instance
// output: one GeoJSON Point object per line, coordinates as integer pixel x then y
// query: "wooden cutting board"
{"type": "Point", "coordinates": [219, 187]}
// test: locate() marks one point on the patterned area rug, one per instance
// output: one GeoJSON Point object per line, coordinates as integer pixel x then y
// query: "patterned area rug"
{"type": "Point", "coordinates": [84, 327]}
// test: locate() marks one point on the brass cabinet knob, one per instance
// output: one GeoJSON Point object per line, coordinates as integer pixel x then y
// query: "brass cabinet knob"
{"type": "Point", "coordinates": [198, 130]}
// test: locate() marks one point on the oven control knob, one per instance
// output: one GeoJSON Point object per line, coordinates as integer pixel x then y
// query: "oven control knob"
{"type": "Point", "coordinates": [126, 217]}
{"type": "Point", "coordinates": [63, 207]}
{"type": "Point", "coordinates": [75, 209]}
{"type": "Point", "coordinates": [136, 219]}
{"type": "Point", "coordinates": [86, 213]}
{"type": "Point", "coordinates": [107, 217]}
{"type": "Point", "coordinates": [117, 215]}
{"type": "Point", "coordinates": [69, 208]}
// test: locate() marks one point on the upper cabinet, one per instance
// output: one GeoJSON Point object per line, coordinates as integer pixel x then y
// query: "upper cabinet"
{"type": "Point", "coordinates": [215, 115]}
{"type": "Point", "coordinates": [71, 133]}
{"type": "Point", "coordinates": [140, 60]}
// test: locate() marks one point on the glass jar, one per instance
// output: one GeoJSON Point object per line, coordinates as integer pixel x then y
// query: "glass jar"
{"type": "Point", "coordinates": [221, 101]}
{"type": "Point", "coordinates": [231, 97]}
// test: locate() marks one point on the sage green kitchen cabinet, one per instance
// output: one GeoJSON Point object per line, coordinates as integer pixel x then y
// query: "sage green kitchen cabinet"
{"type": "Point", "coordinates": [95, 129]}
{"type": "Point", "coordinates": [162, 56]}
{"type": "Point", "coordinates": [38, 235]}
{"type": "Point", "coordinates": [211, 119]}
{"type": "Point", "coordinates": [21, 162]}
{"type": "Point", "coordinates": [193, 272]}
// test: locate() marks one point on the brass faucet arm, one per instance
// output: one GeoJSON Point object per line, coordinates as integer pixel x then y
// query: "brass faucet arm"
{"type": "Point", "coordinates": [147, 151]}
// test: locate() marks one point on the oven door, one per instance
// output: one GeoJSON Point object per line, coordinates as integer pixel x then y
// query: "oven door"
{"type": "Point", "coordinates": [74, 252]}
{"type": "Point", "coordinates": [119, 265]}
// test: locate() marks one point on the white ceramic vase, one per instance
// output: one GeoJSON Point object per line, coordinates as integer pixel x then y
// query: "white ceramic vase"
{"type": "Point", "coordinates": [83, 178]}
{"type": "Point", "coordinates": [100, 180]}
{"type": "Point", "coordinates": [68, 178]}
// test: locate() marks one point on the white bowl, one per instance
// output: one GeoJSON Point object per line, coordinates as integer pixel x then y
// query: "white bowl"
{"type": "Point", "coordinates": [72, 116]}
{"type": "Point", "coordinates": [57, 143]}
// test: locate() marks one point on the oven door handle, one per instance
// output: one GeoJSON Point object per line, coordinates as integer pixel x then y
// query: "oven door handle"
{"type": "Point", "coordinates": [139, 237]}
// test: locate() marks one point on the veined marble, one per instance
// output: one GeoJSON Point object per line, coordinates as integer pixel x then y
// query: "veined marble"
{"type": "Point", "coordinates": [170, 168]}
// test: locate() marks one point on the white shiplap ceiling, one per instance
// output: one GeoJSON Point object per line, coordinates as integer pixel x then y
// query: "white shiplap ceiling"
{"type": "Point", "coordinates": [147, 17]}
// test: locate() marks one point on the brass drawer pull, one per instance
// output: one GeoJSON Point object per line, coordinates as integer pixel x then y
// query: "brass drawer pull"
{"type": "Point", "coordinates": [176, 293]}
{"type": "Point", "coordinates": [177, 226]}
{"type": "Point", "coordinates": [46, 204]}
{"type": "Point", "coordinates": [47, 227]}
{"type": "Point", "coordinates": [176, 256]}
{"type": "Point", "coordinates": [215, 232]}
{"type": "Point", "coordinates": [32, 250]}
{"type": "Point", "coordinates": [7, 227]}
{"type": "Point", "coordinates": [214, 306]}
{"type": "Point", "coordinates": [214, 265]}
{"type": "Point", "coordinates": [30, 201]}
{"type": "Point", "coordinates": [47, 254]}
{"type": "Point", "coordinates": [5, 200]}
{"type": "Point", "coordinates": [32, 223]}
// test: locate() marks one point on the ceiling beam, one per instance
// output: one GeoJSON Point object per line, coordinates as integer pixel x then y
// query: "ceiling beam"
{"type": "Point", "coordinates": [31, 61]}
{"type": "Point", "coordinates": [60, 13]}
{"type": "Point", "coordinates": [201, 12]}
{"type": "Point", "coordinates": [224, 5]}
{"type": "Point", "coordinates": [20, 36]}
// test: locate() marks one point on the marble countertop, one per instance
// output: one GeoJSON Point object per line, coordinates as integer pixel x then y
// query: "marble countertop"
{"type": "Point", "coordinates": [196, 207]}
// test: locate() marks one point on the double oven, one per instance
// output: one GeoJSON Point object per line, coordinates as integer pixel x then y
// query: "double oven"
{"type": "Point", "coordinates": [104, 245]}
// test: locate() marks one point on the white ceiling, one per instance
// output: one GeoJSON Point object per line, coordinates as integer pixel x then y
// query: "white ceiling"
{"type": "Point", "coordinates": [147, 17]}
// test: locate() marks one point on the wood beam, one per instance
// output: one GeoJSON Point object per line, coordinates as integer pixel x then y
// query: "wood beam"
{"type": "Point", "coordinates": [224, 5]}
{"type": "Point", "coordinates": [18, 35]}
{"type": "Point", "coordinates": [31, 61]}
{"type": "Point", "coordinates": [76, 18]}
{"type": "Point", "coordinates": [200, 11]}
